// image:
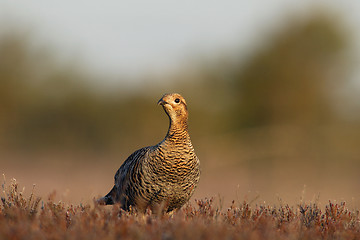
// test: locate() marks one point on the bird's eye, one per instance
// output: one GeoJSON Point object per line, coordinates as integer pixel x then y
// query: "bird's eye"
{"type": "Point", "coordinates": [177, 100]}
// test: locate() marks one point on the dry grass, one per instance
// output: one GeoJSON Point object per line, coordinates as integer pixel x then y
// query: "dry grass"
{"type": "Point", "coordinates": [32, 218]}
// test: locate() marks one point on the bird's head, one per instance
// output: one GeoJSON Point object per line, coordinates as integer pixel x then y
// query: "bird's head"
{"type": "Point", "coordinates": [175, 107]}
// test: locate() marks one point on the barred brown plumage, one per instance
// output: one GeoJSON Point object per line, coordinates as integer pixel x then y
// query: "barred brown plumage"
{"type": "Point", "coordinates": [164, 175]}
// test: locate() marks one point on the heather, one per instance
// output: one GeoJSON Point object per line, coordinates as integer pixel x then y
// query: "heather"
{"type": "Point", "coordinates": [29, 217]}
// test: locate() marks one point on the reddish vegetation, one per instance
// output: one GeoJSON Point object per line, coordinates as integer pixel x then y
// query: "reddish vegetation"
{"type": "Point", "coordinates": [31, 218]}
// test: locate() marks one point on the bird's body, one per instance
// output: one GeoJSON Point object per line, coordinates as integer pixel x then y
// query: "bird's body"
{"type": "Point", "coordinates": [164, 175]}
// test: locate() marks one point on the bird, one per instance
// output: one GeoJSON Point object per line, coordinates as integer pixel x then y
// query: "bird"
{"type": "Point", "coordinates": [164, 175]}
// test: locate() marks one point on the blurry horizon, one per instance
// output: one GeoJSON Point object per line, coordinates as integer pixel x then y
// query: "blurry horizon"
{"type": "Point", "coordinates": [126, 41]}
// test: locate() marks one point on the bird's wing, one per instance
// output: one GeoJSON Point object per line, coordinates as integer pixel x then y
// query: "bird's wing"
{"type": "Point", "coordinates": [127, 173]}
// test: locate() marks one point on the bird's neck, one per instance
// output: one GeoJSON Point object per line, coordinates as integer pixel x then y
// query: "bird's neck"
{"type": "Point", "coordinates": [178, 132]}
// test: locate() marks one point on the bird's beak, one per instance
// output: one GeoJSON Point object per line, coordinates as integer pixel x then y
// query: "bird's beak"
{"type": "Point", "coordinates": [161, 102]}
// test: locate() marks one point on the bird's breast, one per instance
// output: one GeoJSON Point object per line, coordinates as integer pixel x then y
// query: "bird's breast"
{"type": "Point", "coordinates": [173, 163]}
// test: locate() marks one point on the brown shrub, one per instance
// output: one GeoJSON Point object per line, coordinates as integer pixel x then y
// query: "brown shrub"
{"type": "Point", "coordinates": [25, 218]}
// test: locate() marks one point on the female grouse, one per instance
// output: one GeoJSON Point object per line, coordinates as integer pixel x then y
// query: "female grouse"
{"type": "Point", "coordinates": [163, 175]}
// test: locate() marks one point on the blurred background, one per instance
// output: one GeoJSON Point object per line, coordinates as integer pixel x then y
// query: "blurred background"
{"type": "Point", "coordinates": [273, 90]}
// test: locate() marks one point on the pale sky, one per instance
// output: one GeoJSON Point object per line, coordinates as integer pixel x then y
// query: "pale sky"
{"type": "Point", "coordinates": [133, 37]}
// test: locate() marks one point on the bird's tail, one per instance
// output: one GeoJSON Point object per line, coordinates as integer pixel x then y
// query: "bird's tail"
{"type": "Point", "coordinates": [109, 199]}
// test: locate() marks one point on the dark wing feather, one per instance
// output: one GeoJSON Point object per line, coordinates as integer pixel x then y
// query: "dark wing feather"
{"type": "Point", "coordinates": [125, 180]}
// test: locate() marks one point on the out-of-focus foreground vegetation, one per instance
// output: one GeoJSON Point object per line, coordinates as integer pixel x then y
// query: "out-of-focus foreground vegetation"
{"type": "Point", "coordinates": [271, 118]}
{"type": "Point", "coordinates": [24, 217]}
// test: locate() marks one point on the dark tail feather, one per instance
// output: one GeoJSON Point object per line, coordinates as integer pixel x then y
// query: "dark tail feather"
{"type": "Point", "coordinates": [109, 199]}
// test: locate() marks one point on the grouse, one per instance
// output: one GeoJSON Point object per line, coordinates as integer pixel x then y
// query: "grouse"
{"type": "Point", "coordinates": [164, 175]}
